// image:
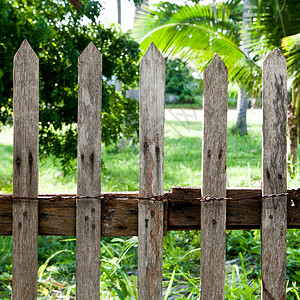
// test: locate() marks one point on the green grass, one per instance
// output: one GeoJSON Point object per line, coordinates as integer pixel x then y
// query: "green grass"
{"type": "Point", "coordinates": [182, 161]}
{"type": "Point", "coordinates": [181, 249]}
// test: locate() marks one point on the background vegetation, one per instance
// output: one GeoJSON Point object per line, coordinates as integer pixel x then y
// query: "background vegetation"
{"type": "Point", "coordinates": [58, 35]}
{"type": "Point", "coordinates": [181, 249]}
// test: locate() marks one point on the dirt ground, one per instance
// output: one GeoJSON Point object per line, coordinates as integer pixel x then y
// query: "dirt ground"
{"type": "Point", "coordinates": [253, 115]}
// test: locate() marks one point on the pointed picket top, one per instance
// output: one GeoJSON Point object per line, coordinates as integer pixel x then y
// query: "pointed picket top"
{"type": "Point", "coordinates": [274, 177]}
{"type": "Point", "coordinates": [90, 52]}
{"type": "Point", "coordinates": [26, 51]}
{"type": "Point", "coordinates": [151, 54]}
{"type": "Point", "coordinates": [214, 149]}
{"type": "Point", "coordinates": [216, 64]}
{"type": "Point", "coordinates": [275, 57]}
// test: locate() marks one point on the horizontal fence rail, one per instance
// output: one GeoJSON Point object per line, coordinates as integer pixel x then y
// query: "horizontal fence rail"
{"type": "Point", "coordinates": [151, 212]}
{"type": "Point", "coordinates": [119, 213]}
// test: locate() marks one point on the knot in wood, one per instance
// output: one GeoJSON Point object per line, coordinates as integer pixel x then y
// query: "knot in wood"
{"type": "Point", "coordinates": [220, 153]}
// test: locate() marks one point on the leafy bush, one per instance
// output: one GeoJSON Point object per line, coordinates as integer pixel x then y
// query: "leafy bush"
{"type": "Point", "coordinates": [58, 36]}
{"type": "Point", "coordinates": [181, 83]}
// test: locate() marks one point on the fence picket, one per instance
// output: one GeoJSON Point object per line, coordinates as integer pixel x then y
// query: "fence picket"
{"type": "Point", "coordinates": [25, 172]}
{"type": "Point", "coordinates": [274, 177]}
{"type": "Point", "coordinates": [151, 179]}
{"type": "Point", "coordinates": [88, 211]}
{"type": "Point", "coordinates": [153, 217]}
{"type": "Point", "coordinates": [213, 215]}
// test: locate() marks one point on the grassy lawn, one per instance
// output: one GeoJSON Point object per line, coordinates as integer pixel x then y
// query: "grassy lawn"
{"type": "Point", "coordinates": [181, 249]}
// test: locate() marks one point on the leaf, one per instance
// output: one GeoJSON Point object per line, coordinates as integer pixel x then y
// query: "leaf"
{"type": "Point", "coordinates": [193, 34]}
{"type": "Point", "coordinates": [170, 285]}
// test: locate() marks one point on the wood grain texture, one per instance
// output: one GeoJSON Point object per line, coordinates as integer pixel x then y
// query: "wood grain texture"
{"type": "Point", "coordinates": [88, 211]}
{"type": "Point", "coordinates": [25, 172]}
{"type": "Point", "coordinates": [151, 176]}
{"type": "Point", "coordinates": [213, 215]}
{"type": "Point", "coordinates": [119, 216]}
{"type": "Point", "coordinates": [274, 177]}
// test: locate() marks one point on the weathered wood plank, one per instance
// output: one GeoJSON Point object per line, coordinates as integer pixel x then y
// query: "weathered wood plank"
{"type": "Point", "coordinates": [88, 211]}
{"type": "Point", "coordinates": [25, 172]}
{"type": "Point", "coordinates": [151, 178]}
{"type": "Point", "coordinates": [119, 216]}
{"type": "Point", "coordinates": [274, 177]}
{"type": "Point", "coordinates": [213, 215]}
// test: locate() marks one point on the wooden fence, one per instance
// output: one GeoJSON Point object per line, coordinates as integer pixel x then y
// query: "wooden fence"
{"type": "Point", "coordinates": [151, 213]}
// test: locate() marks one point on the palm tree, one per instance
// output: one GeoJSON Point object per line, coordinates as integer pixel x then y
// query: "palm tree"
{"type": "Point", "coordinates": [291, 45]}
{"type": "Point", "coordinates": [194, 33]}
{"type": "Point", "coordinates": [278, 25]}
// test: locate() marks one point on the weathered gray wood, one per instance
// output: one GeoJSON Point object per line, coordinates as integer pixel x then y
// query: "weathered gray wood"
{"type": "Point", "coordinates": [274, 177]}
{"type": "Point", "coordinates": [151, 178]}
{"type": "Point", "coordinates": [119, 215]}
{"type": "Point", "coordinates": [88, 211]}
{"type": "Point", "coordinates": [25, 172]}
{"type": "Point", "coordinates": [213, 215]}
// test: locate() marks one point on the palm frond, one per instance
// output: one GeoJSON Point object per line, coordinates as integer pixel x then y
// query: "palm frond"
{"type": "Point", "coordinates": [195, 33]}
{"type": "Point", "coordinates": [291, 45]}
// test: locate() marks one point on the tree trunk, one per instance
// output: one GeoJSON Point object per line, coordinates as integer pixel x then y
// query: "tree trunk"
{"type": "Point", "coordinates": [119, 12]}
{"type": "Point", "coordinates": [134, 93]}
{"type": "Point", "coordinates": [293, 123]}
{"type": "Point", "coordinates": [241, 123]}
{"type": "Point", "coordinates": [118, 82]}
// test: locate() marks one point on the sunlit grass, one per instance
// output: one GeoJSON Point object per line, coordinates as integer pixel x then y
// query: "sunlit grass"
{"type": "Point", "coordinates": [182, 154]}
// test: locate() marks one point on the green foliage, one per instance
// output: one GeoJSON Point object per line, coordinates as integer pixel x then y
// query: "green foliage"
{"type": "Point", "coordinates": [181, 83]}
{"type": "Point", "coordinates": [195, 33]}
{"type": "Point", "coordinates": [58, 35]}
{"type": "Point", "coordinates": [181, 254]}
